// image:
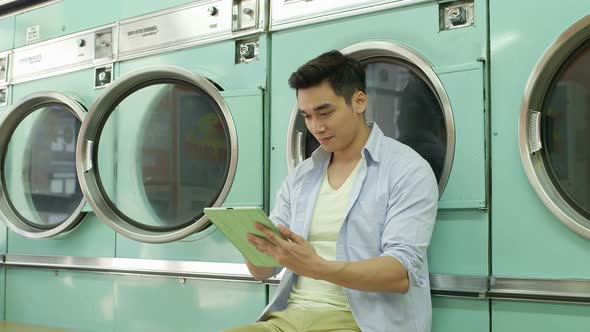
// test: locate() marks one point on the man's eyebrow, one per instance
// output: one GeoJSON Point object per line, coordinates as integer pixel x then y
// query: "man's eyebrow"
{"type": "Point", "coordinates": [319, 108]}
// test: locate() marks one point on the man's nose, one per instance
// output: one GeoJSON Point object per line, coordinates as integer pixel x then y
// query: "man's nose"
{"type": "Point", "coordinates": [317, 126]}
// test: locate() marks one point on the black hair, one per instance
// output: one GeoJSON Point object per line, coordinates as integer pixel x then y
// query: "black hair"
{"type": "Point", "coordinates": [344, 74]}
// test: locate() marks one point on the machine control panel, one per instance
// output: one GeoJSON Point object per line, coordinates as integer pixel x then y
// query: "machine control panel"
{"type": "Point", "coordinates": [245, 15]}
{"type": "Point", "coordinates": [65, 54]}
{"type": "Point", "coordinates": [174, 28]}
{"type": "Point", "coordinates": [292, 13]}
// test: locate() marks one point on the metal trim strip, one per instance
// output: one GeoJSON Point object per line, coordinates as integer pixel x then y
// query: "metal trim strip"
{"type": "Point", "coordinates": [164, 268]}
{"type": "Point", "coordinates": [477, 287]}
{"type": "Point", "coordinates": [543, 290]}
{"type": "Point", "coordinates": [445, 285]}
{"type": "Point", "coordinates": [459, 286]}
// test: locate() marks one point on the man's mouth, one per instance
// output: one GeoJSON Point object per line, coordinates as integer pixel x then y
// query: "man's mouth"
{"type": "Point", "coordinates": [324, 140]}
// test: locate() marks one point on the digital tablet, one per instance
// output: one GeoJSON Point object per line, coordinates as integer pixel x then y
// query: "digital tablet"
{"type": "Point", "coordinates": [235, 223]}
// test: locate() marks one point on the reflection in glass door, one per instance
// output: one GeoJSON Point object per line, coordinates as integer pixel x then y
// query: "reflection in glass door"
{"type": "Point", "coordinates": [42, 196]}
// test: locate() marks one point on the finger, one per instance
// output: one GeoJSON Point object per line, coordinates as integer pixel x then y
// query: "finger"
{"type": "Point", "coordinates": [258, 243]}
{"type": "Point", "coordinates": [270, 236]}
{"type": "Point", "coordinates": [291, 235]}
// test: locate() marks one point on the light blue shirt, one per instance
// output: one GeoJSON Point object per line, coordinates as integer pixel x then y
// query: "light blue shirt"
{"type": "Point", "coordinates": [391, 212]}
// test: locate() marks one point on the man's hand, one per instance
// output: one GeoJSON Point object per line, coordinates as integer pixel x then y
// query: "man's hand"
{"type": "Point", "coordinates": [294, 253]}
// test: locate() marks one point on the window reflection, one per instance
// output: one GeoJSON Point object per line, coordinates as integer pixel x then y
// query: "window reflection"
{"type": "Point", "coordinates": [44, 146]}
{"type": "Point", "coordinates": [565, 123]}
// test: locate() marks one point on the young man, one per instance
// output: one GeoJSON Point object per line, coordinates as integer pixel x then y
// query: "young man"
{"type": "Point", "coordinates": [358, 217]}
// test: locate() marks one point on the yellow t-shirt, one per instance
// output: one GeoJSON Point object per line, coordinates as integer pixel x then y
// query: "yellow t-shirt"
{"type": "Point", "coordinates": [328, 216]}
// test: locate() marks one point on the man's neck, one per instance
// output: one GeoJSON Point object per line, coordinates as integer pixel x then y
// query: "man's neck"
{"type": "Point", "coordinates": [353, 152]}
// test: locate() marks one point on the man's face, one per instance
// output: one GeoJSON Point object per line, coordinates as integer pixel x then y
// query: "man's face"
{"type": "Point", "coordinates": [332, 122]}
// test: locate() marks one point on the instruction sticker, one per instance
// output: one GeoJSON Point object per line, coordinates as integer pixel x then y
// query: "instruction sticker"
{"type": "Point", "coordinates": [32, 34]}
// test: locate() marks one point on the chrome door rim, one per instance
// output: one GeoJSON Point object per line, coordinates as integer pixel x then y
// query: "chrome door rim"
{"type": "Point", "coordinates": [372, 49]}
{"type": "Point", "coordinates": [534, 94]}
{"type": "Point", "coordinates": [10, 121]}
{"type": "Point", "coordinates": [86, 153]}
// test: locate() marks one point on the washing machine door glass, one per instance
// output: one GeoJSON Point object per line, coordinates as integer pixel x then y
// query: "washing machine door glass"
{"type": "Point", "coordinates": [160, 146]}
{"type": "Point", "coordinates": [565, 124]}
{"type": "Point", "coordinates": [405, 106]}
{"type": "Point", "coordinates": [42, 196]}
{"type": "Point", "coordinates": [173, 162]}
{"type": "Point", "coordinates": [553, 128]}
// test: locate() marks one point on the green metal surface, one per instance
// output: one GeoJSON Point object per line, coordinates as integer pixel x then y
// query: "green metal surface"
{"type": "Point", "coordinates": [94, 302]}
{"type": "Point", "coordinates": [146, 304]}
{"type": "Point", "coordinates": [528, 241]}
{"type": "Point", "coordinates": [6, 33]}
{"type": "Point", "coordinates": [92, 238]}
{"type": "Point", "coordinates": [511, 316]}
{"type": "Point", "coordinates": [83, 302]}
{"type": "Point", "coordinates": [460, 239]}
{"type": "Point", "coordinates": [460, 315]}
{"type": "Point", "coordinates": [459, 243]}
{"type": "Point", "coordinates": [69, 16]}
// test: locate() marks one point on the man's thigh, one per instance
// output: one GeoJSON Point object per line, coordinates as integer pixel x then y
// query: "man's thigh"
{"type": "Point", "coordinates": [258, 327]}
{"type": "Point", "coordinates": [280, 321]}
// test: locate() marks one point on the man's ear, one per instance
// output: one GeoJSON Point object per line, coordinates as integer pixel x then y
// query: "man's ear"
{"type": "Point", "coordinates": [359, 102]}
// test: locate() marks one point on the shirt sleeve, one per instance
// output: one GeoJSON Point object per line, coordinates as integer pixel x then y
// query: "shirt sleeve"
{"type": "Point", "coordinates": [281, 213]}
{"type": "Point", "coordinates": [411, 212]}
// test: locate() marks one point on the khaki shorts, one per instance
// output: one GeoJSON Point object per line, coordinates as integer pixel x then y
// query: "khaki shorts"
{"type": "Point", "coordinates": [297, 320]}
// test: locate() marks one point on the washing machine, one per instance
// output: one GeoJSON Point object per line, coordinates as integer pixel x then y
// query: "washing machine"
{"type": "Point", "coordinates": [7, 30]}
{"type": "Point", "coordinates": [71, 16]}
{"type": "Point", "coordinates": [181, 128]}
{"type": "Point", "coordinates": [540, 212]}
{"type": "Point", "coordinates": [425, 64]}
{"type": "Point", "coordinates": [52, 85]}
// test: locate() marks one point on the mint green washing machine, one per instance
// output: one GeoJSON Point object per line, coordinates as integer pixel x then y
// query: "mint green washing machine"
{"type": "Point", "coordinates": [6, 43]}
{"type": "Point", "coordinates": [181, 128]}
{"type": "Point", "coordinates": [425, 65]}
{"type": "Point", "coordinates": [540, 69]}
{"type": "Point", "coordinates": [53, 83]}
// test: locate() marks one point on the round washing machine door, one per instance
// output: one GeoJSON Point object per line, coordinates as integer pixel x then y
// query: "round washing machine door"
{"type": "Point", "coordinates": [158, 146]}
{"type": "Point", "coordinates": [554, 128]}
{"type": "Point", "coordinates": [406, 100]}
{"type": "Point", "coordinates": [40, 193]}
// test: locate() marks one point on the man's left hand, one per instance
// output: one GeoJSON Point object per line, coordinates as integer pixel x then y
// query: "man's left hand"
{"type": "Point", "coordinates": [294, 252]}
